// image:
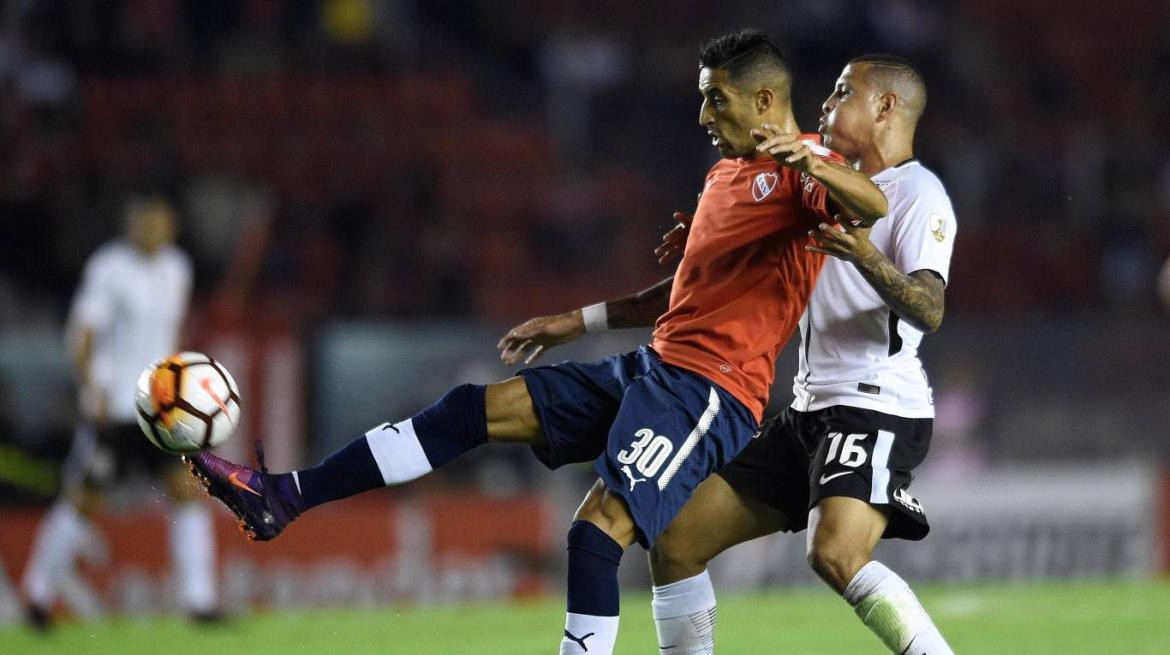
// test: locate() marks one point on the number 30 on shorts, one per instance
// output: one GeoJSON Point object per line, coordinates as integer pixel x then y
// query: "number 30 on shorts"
{"type": "Point", "coordinates": [648, 453]}
{"type": "Point", "coordinates": [852, 453]}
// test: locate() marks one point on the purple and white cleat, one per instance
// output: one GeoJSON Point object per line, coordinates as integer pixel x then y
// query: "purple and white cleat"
{"type": "Point", "coordinates": [264, 503]}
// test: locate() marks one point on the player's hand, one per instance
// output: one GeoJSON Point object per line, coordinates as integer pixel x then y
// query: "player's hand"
{"type": "Point", "coordinates": [785, 147]}
{"type": "Point", "coordinates": [530, 339]}
{"type": "Point", "coordinates": [842, 240]}
{"type": "Point", "coordinates": [674, 241]}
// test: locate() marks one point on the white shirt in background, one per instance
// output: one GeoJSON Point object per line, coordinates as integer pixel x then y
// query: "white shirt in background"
{"type": "Point", "coordinates": [135, 304]}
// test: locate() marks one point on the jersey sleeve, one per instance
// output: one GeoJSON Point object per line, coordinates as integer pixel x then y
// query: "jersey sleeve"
{"type": "Point", "coordinates": [814, 196]}
{"type": "Point", "coordinates": [924, 233]}
{"type": "Point", "coordinates": [93, 304]}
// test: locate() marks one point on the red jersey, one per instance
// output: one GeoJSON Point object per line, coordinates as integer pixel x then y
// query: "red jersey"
{"type": "Point", "coordinates": [745, 277]}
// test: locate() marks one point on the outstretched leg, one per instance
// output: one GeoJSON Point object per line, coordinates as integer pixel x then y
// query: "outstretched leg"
{"type": "Point", "coordinates": [842, 534]}
{"type": "Point", "coordinates": [466, 417]}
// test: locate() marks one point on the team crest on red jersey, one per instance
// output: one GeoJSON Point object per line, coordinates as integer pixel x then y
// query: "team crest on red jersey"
{"type": "Point", "coordinates": [763, 185]}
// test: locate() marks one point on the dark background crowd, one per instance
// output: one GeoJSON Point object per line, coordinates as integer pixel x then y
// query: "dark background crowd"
{"type": "Point", "coordinates": [486, 153]}
{"type": "Point", "coordinates": [483, 162]}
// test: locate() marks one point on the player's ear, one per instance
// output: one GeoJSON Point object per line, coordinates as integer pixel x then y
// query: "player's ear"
{"type": "Point", "coordinates": [886, 104]}
{"type": "Point", "coordinates": [764, 100]}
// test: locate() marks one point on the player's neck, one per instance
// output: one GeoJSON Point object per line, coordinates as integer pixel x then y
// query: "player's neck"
{"type": "Point", "coordinates": [784, 120]}
{"type": "Point", "coordinates": [878, 160]}
{"type": "Point", "coordinates": [886, 153]}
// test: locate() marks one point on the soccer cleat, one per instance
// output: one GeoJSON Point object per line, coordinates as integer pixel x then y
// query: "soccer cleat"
{"type": "Point", "coordinates": [264, 503]}
{"type": "Point", "coordinates": [37, 618]}
{"type": "Point", "coordinates": [208, 617]}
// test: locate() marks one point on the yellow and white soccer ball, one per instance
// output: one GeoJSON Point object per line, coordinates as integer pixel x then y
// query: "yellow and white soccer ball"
{"type": "Point", "coordinates": [187, 402]}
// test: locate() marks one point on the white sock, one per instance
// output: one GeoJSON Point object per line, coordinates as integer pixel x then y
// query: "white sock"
{"type": "Point", "coordinates": [886, 605]}
{"type": "Point", "coordinates": [397, 451]}
{"type": "Point", "coordinates": [684, 615]}
{"type": "Point", "coordinates": [589, 634]}
{"type": "Point", "coordinates": [58, 536]}
{"type": "Point", "coordinates": [192, 537]}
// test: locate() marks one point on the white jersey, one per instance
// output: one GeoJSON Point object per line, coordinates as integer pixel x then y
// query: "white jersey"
{"type": "Point", "coordinates": [854, 350]}
{"type": "Point", "coordinates": [135, 305]}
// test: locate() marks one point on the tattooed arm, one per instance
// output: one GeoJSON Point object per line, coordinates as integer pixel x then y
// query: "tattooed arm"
{"type": "Point", "coordinates": [917, 298]}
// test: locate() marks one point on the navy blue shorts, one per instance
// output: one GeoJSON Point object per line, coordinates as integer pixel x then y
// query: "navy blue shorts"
{"type": "Point", "coordinates": [654, 430]}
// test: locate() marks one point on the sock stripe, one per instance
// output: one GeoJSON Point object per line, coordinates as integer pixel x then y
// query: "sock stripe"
{"type": "Point", "coordinates": [398, 453]}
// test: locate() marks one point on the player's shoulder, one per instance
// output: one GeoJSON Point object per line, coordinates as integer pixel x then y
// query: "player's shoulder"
{"type": "Point", "coordinates": [911, 178]}
{"type": "Point", "coordinates": [109, 254]}
{"type": "Point", "coordinates": [176, 255]}
{"type": "Point", "coordinates": [724, 164]}
{"type": "Point", "coordinates": [914, 189]}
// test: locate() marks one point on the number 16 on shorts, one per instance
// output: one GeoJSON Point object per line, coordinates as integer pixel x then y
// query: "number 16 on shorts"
{"type": "Point", "coordinates": [852, 454]}
{"type": "Point", "coordinates": [858, 452]}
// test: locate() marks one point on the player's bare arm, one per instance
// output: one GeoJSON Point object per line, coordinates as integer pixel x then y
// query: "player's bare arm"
{"type": "Point", "coordinates": [641, 309]}
{"type": "Point", "coordinates": [530, 339]}
{"type": "Point", "coordinates": [92, 399]}
{"type": "Point", "coordinates": [917, 297]}
{"type": "Point", "coordinates": [851, 190]}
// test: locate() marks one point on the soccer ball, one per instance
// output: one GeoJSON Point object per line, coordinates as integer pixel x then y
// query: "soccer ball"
{"type": "Point", "coordinates": [187, 402]}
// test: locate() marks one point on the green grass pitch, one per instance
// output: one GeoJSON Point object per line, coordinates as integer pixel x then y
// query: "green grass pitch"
{"type": "Point", "coordinates": [1065, 619]}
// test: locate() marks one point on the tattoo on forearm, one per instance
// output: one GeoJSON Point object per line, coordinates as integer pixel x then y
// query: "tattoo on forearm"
{"type": "Point", "coordinates": [641, 309]}
{"type": "Point", "coordinates": [917, 298]}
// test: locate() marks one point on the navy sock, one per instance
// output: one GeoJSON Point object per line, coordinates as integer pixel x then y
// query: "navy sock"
{"type": "Point", "coordinates": [593, 565]}
{"type": "Point", "coordinates": [346, 472]}
{"type": "Point", "coordinates": [392, 454]}
{"type": "Point", "coordinates": [455, 424]}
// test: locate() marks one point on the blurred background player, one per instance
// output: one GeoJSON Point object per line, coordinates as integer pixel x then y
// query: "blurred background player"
{"type": "Point", "coordinates": [127, 313]}
{"type": "Point", "coordinates": [839, 460]}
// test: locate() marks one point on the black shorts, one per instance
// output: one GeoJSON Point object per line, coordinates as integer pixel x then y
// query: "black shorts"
{"type": "Point", "coordinates": [116, 451]}
{"type": "Point", "coordinates": [801, 457]}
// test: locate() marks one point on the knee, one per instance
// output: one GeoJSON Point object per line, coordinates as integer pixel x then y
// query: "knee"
{"type": "Point", "coordinates": [672, 558]}
{"type": "Point", "coordinates": [87, 502]}
{"type": "Point", "coordinates": [608, 512]}
{"type": "Point", "coordinates": [835, 562]}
